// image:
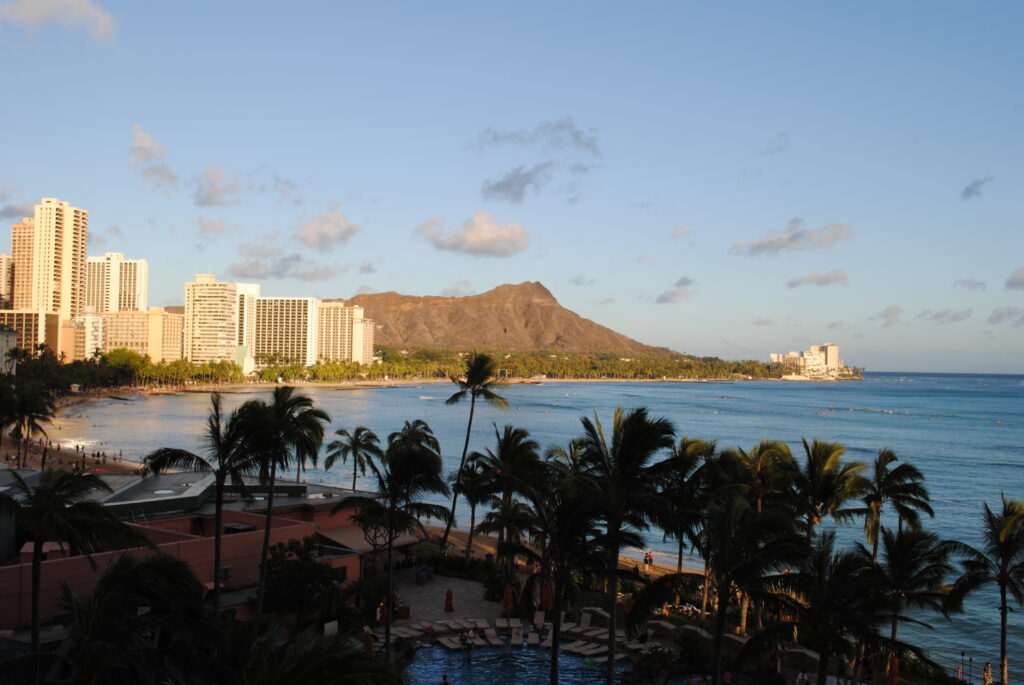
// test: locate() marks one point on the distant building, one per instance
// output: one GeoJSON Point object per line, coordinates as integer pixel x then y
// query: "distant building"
{"type": "Point", "coordinates": [33, 328]}
{"type": "Point", "coordinates": [126, 331]}
{"type": "Point", "coordinates": [343, 335]}
{"type": "Point", "coordinates": [286, 330]}
{"type": "Point", "coordinates": [166, 334]}
{"type": "Point", "coordinates": [220, 321]}
{"type": "Point", "coordinates": [6, 281]}
{"type": "Point", "coordinates": [116, 284]}
{"type": "Point", "coordinates": [817, 361]}
{"type": "Point", "coordinates": [49, 259]}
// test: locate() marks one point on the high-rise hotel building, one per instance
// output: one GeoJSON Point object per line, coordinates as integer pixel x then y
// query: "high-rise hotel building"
{"type": "Point", "coordinates": [286, 330]}
{"type": "Point", "coordinates": [343, 334]}
{"type": "Point", "coordinates": [49, 259]}
{"type": "Point", "coordinates": [116, 284]}
{"type": "Point", "coordinates": [220, 321]}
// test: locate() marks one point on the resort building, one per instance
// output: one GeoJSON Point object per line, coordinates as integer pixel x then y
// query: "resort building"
{"type": "Point", "coordinates": [286, 330]}
{"type": "Point", "coordinates": [220, 321]}
{"type": "Point", "coordinates": [49, 259]}
{"type": "Point", "coordinates": [126, 331]}
{"type": "Point", "coordinates": [116, 284]}
{"type": "Point", "coordinates": [6, 281]}
{"type": "Point", "coordinates": [82, 337]}
{"type": "Point", "coordinates": [166, 330]}
{"type": "Point", "coordinates": [32, 327]}
{"type": "Point", "coordinates": [817, 361]}
{"type": "Point", "coordinates": [343, 335]}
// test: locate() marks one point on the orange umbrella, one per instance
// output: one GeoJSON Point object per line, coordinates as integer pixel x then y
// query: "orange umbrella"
{"type": "Point", "coordinates": [508, 600]}
{"type": "Point", "coordinates": [449, 601]}
{"type": "Point", "coordinates": [547, 600]}
{"type": "Point", "coordinates": [893, 669]}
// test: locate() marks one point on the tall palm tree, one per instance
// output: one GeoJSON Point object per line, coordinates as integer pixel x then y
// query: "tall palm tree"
{"type": "Point", "coordinates": [227, 457]}
{"type": "Point", "coordinates": [999, 561]}
{"type": "Point", "coordinates": [743, 549]}
{"type": "Point", "coordinates": [59, 508]}
{"type": "Point", "coordinates": [361, 445]}
{"type": "Point", "coordinates": [33, 408]}
{"type": "Point", "coordinates": [478, 383]}
{"type": "Point", "coordinates": [408, 472]}
{"type": "Point", "coordinates": [622, 470]}
{"type": "Point", "coordinates": [912, 574]}
{"type": "Point", "coordinates": [289, 430]}
{"type": "Point", "coordinates": [765, 474]}
{"type": "Point", "coordinates": [825, 484]}
{"type": "Point", "coordinates": [903, 486]}
{"type": "Point", "coordinates": [475, 491]}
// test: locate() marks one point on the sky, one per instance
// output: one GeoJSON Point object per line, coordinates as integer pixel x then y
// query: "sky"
{"type": "Point", "coordinates": [724, 179]}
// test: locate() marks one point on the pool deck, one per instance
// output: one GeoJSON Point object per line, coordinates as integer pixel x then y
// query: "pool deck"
{"type": "Point", "coordinates": [426, 602]}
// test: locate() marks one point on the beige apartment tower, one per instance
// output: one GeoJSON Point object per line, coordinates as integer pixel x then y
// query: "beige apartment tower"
{"type": "Point", "coordinates": [286, 330]}
{"type": "Point", "coordinates": [6, 281]}
{"type": "Point", "coordinates": [49, 259]}
{"type": "Point", "coordinates": [343, 335]}
{"type": "Point", "coordinates": [219, 323]}
{"type": "Point", "coordinates": [116, 284]}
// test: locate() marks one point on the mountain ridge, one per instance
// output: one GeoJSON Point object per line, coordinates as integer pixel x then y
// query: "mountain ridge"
{"type": "Point", "coordinates": [523, 317]}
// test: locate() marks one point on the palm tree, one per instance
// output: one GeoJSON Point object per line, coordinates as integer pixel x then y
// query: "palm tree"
{"type": "Point", "coordinates": [60, 508]}
{"type": "Point", "coordinates": [33, 407]}
{"type": "Point", "coordinates": [999, 561]}
{"type": "Point", "coordinates": [289, 430]}
{"type": "Point", "coordinates": [903, 486]}
{"type": "Point", "coordinates": [765, 474]}
{"type": "Point", "coordinates": [622, 470]}
{"type": "Point", "coordinates": [912, 574]}
{"type": "Point", "coordinates": [477, 383]}
{"type": "Point", "coordinates": [227, 457]}
{"type": "Point", "coordinates": [143, 621]}
{"type": "Point", "coordinates": [742, 548]}
{"type": "Point", "coordinates": [474, 490]}
{"type": "Point", "coordinates": [825, 484]}
{"type": "Point", "coordinates": [361, 445]}
{"type": "Point", "coordinates": [831, 598]}
{"type": "Point", "coordinates": [408, 472]}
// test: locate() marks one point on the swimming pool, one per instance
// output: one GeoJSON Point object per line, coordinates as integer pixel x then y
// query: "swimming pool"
{"type": "Point", "coordinates": [500, 665]}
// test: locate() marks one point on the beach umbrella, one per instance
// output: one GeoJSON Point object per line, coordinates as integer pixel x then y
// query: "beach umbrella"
{"type": "Point", "coordinates": [547, 600]}
{"type": "Point", "coordinates": [449, 602]}
{"type": "Point", "coordinates": [508, 600]}
{"type": "Point", "coordinates": [893, 669]}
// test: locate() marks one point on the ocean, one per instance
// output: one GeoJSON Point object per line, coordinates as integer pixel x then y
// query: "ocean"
{"type": "Point", "coordinates": [965, 432]}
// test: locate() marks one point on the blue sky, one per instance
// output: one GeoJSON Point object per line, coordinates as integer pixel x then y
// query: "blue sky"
{"type": "Point", "coordinates": [724, 179]}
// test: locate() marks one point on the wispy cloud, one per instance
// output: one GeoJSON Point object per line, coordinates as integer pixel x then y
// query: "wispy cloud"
{"type": "Point", "coordinates": [560, 134]}
{"type": "Point", "coordinates": [890, 316]}
{"type": "Point", "coordinates": [216, 187]}
{"type": "Point", "coordinates": [69, 14]}
{"type": "Point", "coordinates": [974, 188]}
{"type": "Point", "coordinates": [794, 238]}
{"type": "Point", "coordinates": [970, 284]}
{"type": "Point", "coordinates": [681, 232]}
{"type": "Point", "coordinates": [367, 268]}
{"type": "Point", "coordinates": [211, 226]}
{"type": "Point", "coordinates": [459, 289]}
{"type": "Point", "coordinates": [607, 301]}
{"type": "Point", "coordinates": [1011, 315]}
{"type": "Point", "coordinates": [103, 237]}
{"type": "Point", "coordinates": [17, 211]}
{"type": "Point", "coordinates": [641, 258]}
{"type": "Point", "coordinates": [942, 316]}
{"type": "Point", "coordinates": [148, 158]}
{"type": "Point", "coordinates": [480, 235]}
{"type": "Point", "coordinates": [581, 279]}
{"type": "Point", "coordinates": [326, 231]}
{"type": "Point", "coordinates": [267, 262]}
{"type": "Point", "coordinates": [838, 276]}
{"type": "Point", "coordinates": [1016, 279]}
{"type": "Point", "coordinates": [836, 325]}
{"type": "Point", "coordinates": [763, 322]}
{"type": "Point", "coordinates": [513, 184]}
{"type": "Point", "coordinates": [777, 145]}
{"type": "Point", "coordinates": [681, 291]}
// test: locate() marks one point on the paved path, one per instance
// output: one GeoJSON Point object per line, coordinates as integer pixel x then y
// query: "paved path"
{"type": "Point", "coordinates": [426, 602]}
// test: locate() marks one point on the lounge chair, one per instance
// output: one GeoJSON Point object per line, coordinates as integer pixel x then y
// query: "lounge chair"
{"type": "Point", "coordinates": [501, 623]}
{"type": "Point", "coordinates": [575, 646]}
{"type": "Point", "coordinates": [581, 627]}
{"type": "Point", "coordinates": [604, 659]}
{"type": "Point", "coordinates": [450, 643]}
{"type": "Point", "coordinates": [515, 623]}
{"type": "Point", "coordinates": [462, 625]}
{"type": "Point", "coordinates": [482, 624]}
{"type": "Point", "coordinates": [492, 638]}
{"type": "Point", "coordinates": [595, 634]}
{"type": "Point", "coordinates": [517, 636]}
{"type": "Point", "coordinates": [538, 619]}
{"type": "Point", "coordinates": [594, 650]}
{"type": "Point", "coordinates": [478, 641]}
{"type": "Point", "coordinates": [532, 639]}
{"type": "Point", "coordinates": [546, 644]}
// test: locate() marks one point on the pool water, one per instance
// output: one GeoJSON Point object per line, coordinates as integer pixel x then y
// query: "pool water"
{"type": "Point", "coordinates": [500, 665]}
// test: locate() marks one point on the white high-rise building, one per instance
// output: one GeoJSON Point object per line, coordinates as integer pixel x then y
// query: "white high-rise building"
{"type": "Point", "coordinates": [334, 331]}
{"type": "Point", "coordinates": [286, 330]}
{"type": "Point", "coordinates": [362, 340]}
{"type": "Point", "coordinates": [49, 259]}
{"type": "Point", "coordinates": [218, 320]}
{"type": "Point", "coordinates": [6, 281]}
{"type": "Point", "coordinates": [116, 284]}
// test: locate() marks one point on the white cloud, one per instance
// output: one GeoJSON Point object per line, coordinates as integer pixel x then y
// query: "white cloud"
{"type": "Point", "coordinates": [796, 237]}
{"type": "Point", "coordinates": [211, 226]}
{"type": "Point", "coordinates": [581, 279]}
{"type": "Point", "coordinates": [480, 235]}
{"type": "Point", "coordinates": [284, 266]}
{"type": "Point", "coordinates": [945, 315]}
{"type": "Point", "coordinates": [1011, 315]}
{"type": "Point", "coordinates": [836, 325]}
{"type": "Point", "coordinates": [970, 284]}
{"type": "Point", "coordinates": [215, 187]}
{"type": "Point", "coordinates": [147, 155]}
{"type": "Point", "coordinates": [890, 316]}
{"type": "Point", "coordinates": [1016, 279]}
{"type": "Point", "coordinates": [326, 231]}
{"type": "Point", "coordinates": [70, 14]}
{"type": "Point", "coordinates": [681, 232]}
{"type": "Point", "coordinates": [681, 291]}
{"type": "Point", "coordinates": [764, 322]}
{"type": "Point", "coordinates": [459, 289]}
{"type": "Point", "coordinates": [814, 278]}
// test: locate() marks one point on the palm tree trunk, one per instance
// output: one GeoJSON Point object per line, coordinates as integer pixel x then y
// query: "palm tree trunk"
{"type": "Point", "coordinates": [355, 472]}
{"type": "Point", "coordinates": [719, 635]}
{"type": "Point", "coordinates": [458, 475]}
{"type": "Point", "coordinates": [556, 624]}
{"type": "Point", "coordinates": [472, 525]}
{"type": "Point", "coordinates": [744, 608]}
{"type": "Point", "coordinates": [613, 588]}
{"type": "Point", "coordinates": [218, 517]}
{"type": "Point", "coordinates": [823, 651]}
{"type": "Point", "coordinates": [387, 602]}
{"type": "Point", "coordinates": [1004, 664]}
{"type": "Point", "coordinates": [704, 593]}
{"type": "Point", "coordinates": [266, 540]}
{"type": "Point", "coordinates": [892, 632]}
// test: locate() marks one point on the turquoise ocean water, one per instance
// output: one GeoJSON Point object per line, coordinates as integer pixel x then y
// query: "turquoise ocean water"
{"type": "Point", "coordinates": [965, 432]}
